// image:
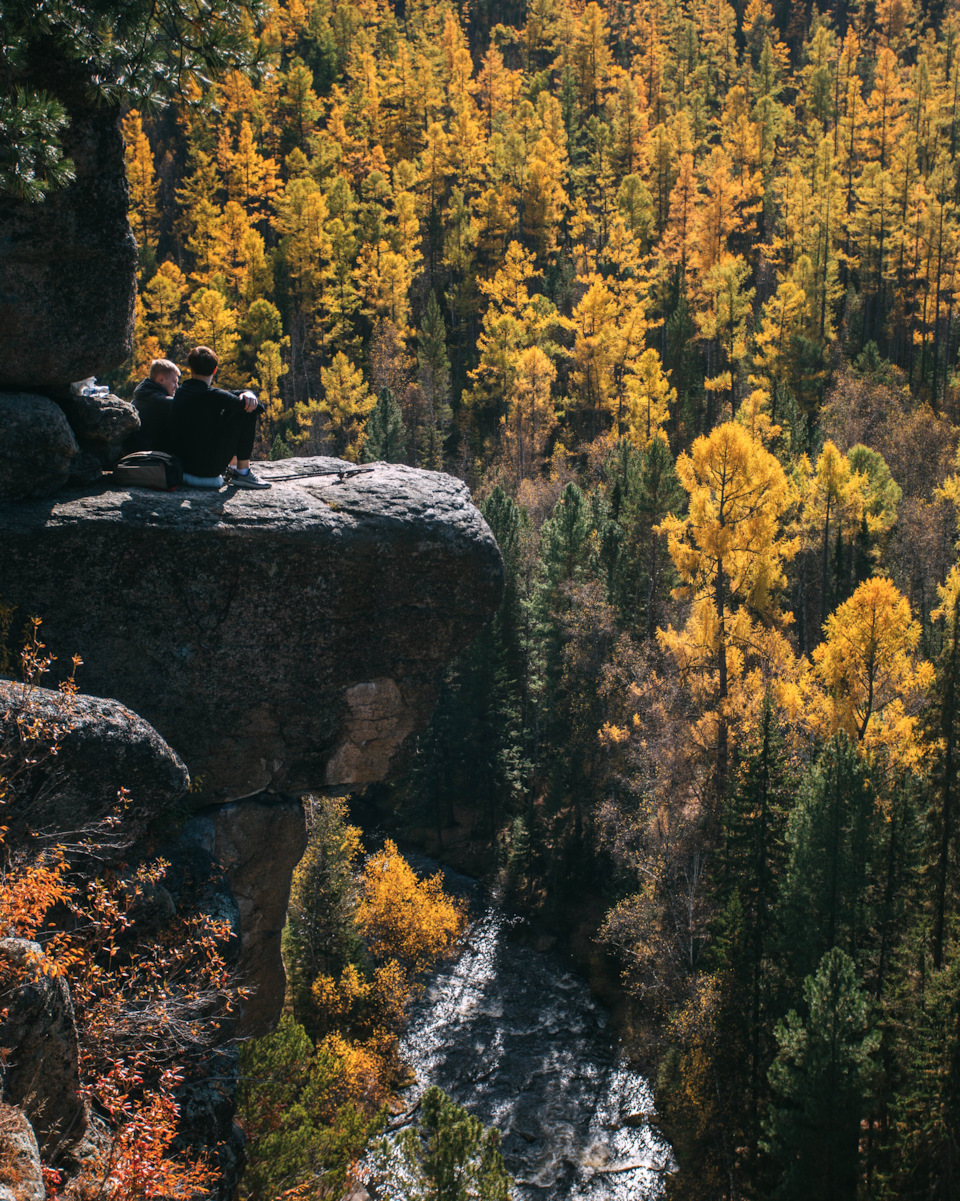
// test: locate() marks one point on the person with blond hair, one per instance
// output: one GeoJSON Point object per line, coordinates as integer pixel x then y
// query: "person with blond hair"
{"type": "Point", "coordinates": [153, 400]}
{"type": "Point", "coordinates": [214, 429]}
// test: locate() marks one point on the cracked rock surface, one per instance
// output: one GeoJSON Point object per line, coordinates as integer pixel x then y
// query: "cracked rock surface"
{"type": "Point", "coordinates": [289, 639]}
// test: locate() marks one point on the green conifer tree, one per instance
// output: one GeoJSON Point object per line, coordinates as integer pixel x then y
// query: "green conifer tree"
{"type": "Point", "coordinates": [433, 376]}
{"type": "Point", "coordinates": [450, 1156]}
{"type": "Point", "coordinates": [831, 842]}
{"type": "Point", "coordinates": [385, 438]}
{"type": "Point", "coordinates": [820, 1080]}
{"type": "Point", "coordinates": [752, 859]}
{"type": "Point", "coordinates": [924, 1155]}
{"type": "Point", "coordinates": [644, 489]}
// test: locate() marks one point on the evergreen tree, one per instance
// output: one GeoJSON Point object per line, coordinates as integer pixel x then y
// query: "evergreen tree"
{"type": "Point", "coordinates": [943, 722]}
{"type": "Point", "coordinates": [449, 1156]}
{"type": "Point", "coordinates": [820, 1080]}
{"type": "Point", "coordinates": [924, 1152]}
{"type": "Point", "coordinates": [385, 435]}
{"type": "Point", "coordinates": [831, 845]}
{"type": "Point", "coordinates": [645, 489]}
{"type": "Point", "coordinates": [105, 53]}
{"type": "Point", "coordinates": [566, 548]}
{"type": "Point", "coordinates": [433, 371]}
{"type": "Point", "coordinates": [320, 935]}
{"type": "Point", "coordinates": [477, 747]}
{"type": "Point", "coordinates": [752, 859]}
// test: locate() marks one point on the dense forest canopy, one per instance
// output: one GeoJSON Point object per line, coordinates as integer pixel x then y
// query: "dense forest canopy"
{"type": "Point", "coordinates": [573, 191]}
{"type": "Point", "coordinates": [673, 286]}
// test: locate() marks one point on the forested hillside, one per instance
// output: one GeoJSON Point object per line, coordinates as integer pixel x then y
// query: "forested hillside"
{"type": "Point", "coordinates": [672, 286]}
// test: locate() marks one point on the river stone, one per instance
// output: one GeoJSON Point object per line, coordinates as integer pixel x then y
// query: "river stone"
{"type": "Point", "coordinates": [289, 640]}
{"type": "Point", "coordinates": [258, 842]}
{"type": "Point", "coordinates": [101, 747]}
{"type": "Point", "coordinates": [21, 1175]}
{"type": "Point", "coordinates": [41, 1074]}
{"type": "Point", "coordinates": [37, 446]}
{"type": "Point", "coordinates": [68, 267]}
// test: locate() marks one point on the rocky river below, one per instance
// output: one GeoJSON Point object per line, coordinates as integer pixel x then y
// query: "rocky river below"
{"type": "Point", "coordinates": [514, 1035]}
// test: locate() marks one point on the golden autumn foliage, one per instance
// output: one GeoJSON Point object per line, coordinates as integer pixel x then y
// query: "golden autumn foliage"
{"type": "Point", "coordinates": [872, 679]}
{"type": "Point", "coordinates": [730, 543]}
{"type": "Point", "coordinates": [404, 918]}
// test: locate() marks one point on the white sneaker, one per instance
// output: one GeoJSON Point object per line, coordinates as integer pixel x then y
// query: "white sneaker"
{"type": "Point", "coordinates": [236, 479]}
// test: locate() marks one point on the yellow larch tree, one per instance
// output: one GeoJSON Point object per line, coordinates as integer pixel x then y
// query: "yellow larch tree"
{"type": "Point", "coordinates": [729, 552]}
{"type": "Point", "coordinates": [142, 181]}
{"type": "Point", "coordinates": [718, 215]}
{"type": "Point", "coordinates": [268, 371]}
{"type": "Point", "coordinates": [884, 107]}
{"type": "Point", "coordinates": [251, 178]}
{"type": "Point", "coordinates": [679, 241]}
{"type": "Point", "coordinates": [872, 680]}
{"type": "Point", "coordinates": [649, 398]}
{"type": "Point", "coordinates": [724, 307]}
{"type": "Point", "coordinates": [346, 402]}
{"type": "Point", "coordinates": [589, 55]}
{"type": "Point", "coordinates": [241, 256]}
{"type": "Point", "coordinates": [403, 918]}
{"type": "Point", "coordinates": [784, 317]}
{"type": "Point", "coordinates": [597, 350]}
{"type": "Point", "coordinates": [300, 220]}
{"type": "Point", "coordinates": [205, 243]}
{"type": "Point", "coordinates": [163, 302]}
{"type": "Point", "coordinates": [212, 322]}
{"type": "Point", "coordinates": [629, 112]}
{"type": "Point", "coordinates": [531, 413]}
{"type": "Point", "coordinates": [831, 504]}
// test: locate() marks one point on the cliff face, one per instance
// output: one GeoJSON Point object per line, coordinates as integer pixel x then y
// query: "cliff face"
{"type": "Point", "coordinates": [276, 642]}
{"type": "Point", "coordinates": [289, 640]}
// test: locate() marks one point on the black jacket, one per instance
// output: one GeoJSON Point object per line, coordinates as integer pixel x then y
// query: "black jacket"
{"type": "Point", "coordinates": [155, 407]}
{"type": "Point", "coordinates": [204, 425]}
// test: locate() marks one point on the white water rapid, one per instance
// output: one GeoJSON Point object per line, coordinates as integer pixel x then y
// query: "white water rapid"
{"type": "Point", "coordinates": [514, 1036]}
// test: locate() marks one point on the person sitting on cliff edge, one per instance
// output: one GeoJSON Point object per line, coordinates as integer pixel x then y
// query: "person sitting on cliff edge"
{"type": "Point", "coordinates": [213, 429]}
{"type": "Point", "coordinates": [153, 400]}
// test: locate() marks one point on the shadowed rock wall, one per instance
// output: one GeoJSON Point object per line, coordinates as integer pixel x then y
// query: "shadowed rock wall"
{"type": "Point", "coordinates": [68, 268]}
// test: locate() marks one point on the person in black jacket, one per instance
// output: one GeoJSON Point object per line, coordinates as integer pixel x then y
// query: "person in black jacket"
{"type": "Point", "coordinates": [213, 429]}
{"type": "Point", "coordinates": [153, 400]}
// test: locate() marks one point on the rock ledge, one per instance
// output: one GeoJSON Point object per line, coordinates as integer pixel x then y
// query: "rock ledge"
{"type": "Point", "coordinates": [290, 639]}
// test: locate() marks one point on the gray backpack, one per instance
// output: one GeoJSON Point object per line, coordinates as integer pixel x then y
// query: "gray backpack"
{"type": "Point", "coordinates": [149, 469]}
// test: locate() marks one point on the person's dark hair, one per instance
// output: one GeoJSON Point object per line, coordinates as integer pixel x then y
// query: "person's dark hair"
{"type": "Point", "coordinates": [202, 360]}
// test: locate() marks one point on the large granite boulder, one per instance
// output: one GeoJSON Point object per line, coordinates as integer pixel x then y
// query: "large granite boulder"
{"type": "Point", "coordinates": [68, 267]}
{"type": "Point", "coordinates": [68, 757]}
{"type": "Point", "coordinates": [287, 640]}
{"type": "Point", "coordinates": [37, 446]}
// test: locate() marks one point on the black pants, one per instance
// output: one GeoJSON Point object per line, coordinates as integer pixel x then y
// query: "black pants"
{"type": "Point", "coordinates": [233, 434]}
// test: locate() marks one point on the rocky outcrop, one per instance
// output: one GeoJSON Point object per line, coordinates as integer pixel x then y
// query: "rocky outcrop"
{"type": "Point", "coordinates": [21, 1178]}
{"type": "Point", "coordinates": [258, 842]}
{"type": "Point", "coordinates": [68, 268]}
{"type": "Point", "coordinates": [41, 1072]}
{"type": "Point", "coordinates": [37, 446]}
{"type": "Point", "coordinates": [288, 640]}
{"type": "Point", "coordinates": [72, 756]}
{"type": "Point", "coordinates": [101, 423]}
